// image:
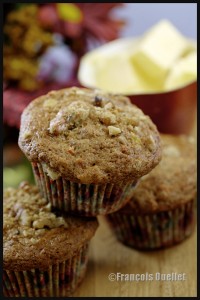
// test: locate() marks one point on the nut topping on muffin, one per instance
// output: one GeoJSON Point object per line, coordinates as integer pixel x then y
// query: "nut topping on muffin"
{"type": "Point", "coordinates": [31, 214]}
{"type": "Point", "coordinates": [30, 225]}
{"type": "Point", "coordinates": [113, 130]}
{"type": "Point", "coordinates": [93, 130]}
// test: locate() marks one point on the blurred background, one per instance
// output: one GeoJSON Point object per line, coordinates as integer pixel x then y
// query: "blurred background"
{"type": "Point", "coordinates": [140, 17]}
{"type": "Point", "coordinates": [43, 45]}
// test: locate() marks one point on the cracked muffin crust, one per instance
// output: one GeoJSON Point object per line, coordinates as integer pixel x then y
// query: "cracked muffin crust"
{"type": "Point", "coordinates": [89, 136]}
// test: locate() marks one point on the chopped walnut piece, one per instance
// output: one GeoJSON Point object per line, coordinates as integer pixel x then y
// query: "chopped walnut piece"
{"type": "Point", "coordinates": [107, 118]}
{"type": "Point", "coordinates": [26, 219]}
{"type": "Point", "coordinates": [113, 131]}
{"type": "Point", "coordinates": [108, 106]}
{"type": "Point", "coordinates": [40, 231]}
{"type": "Point", "coordinates": [27, 134]}
{"type": "Point", "coordinates": [122, 139]}
{"type": "Point", "coordinates": [71, 150]}
{"type": "Point", "coordinates": [52, 174]}
{"type": "Point", "coordinates": [33, 241]}
{"type": "Point", "coordinates": [151, 143]}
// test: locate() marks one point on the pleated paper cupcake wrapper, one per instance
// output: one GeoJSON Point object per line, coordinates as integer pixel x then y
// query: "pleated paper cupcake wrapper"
{"type": "Point", "coordinates": [60, 280]}
{"type": "Point", "coordinates": [153, 231]}
{"type": "Point", "coordinates": [82, 199]}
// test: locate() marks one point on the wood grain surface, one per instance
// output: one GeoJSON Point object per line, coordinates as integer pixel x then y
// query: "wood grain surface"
{"type": "Point", "coordinates": [107, 255]}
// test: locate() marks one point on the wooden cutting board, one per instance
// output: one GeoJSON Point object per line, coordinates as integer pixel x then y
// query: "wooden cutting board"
{"type": "Point", "coordinates": [107, 256]}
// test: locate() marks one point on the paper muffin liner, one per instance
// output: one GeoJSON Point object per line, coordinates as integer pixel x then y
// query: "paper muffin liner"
{"type": "Point", "coordinates": [82, 199]}
{"type": "Point", "coordinates": [156, 230]}
{"type": "Point", "coordinates": [59, 280]}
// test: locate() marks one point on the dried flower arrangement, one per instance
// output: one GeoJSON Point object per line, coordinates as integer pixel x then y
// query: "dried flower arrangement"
{"type": "Point", "coordinates": [43, 44]}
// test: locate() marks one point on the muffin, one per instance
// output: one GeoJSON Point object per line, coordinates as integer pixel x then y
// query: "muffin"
{"type": "Point", "coordinates": [44, 254]}
{"type": "Point", "coordinates": [87, 148]}
{"type": "Point", "coordinates": [161, 211]}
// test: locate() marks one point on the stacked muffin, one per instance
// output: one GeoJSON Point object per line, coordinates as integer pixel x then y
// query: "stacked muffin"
{"type": "Point", "coordinates": [45, 252]}
{"type": "Point", "coordinates": [88, 150]}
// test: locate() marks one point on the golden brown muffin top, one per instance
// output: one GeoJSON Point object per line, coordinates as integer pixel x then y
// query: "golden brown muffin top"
{"type": "Point", "coordinates": [35, 236]}
{"type": "Point", "coordinates": [172, 183]}
{"type": "Point", "coordinates": [89, 136]}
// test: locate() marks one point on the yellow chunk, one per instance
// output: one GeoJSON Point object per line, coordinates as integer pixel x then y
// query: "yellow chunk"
{"type": "Point", "coordinates": [183, 72]}
{"type": "Point", "coordinates": [157, 51]}
{"type": "Point", "coordinates": [115, 74]}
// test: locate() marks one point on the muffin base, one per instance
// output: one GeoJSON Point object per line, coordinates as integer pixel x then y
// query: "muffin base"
{"type": "Point", "coordinates": [59, 280]}
{"type": "Point", "coordinates": [153, 231]}
{"type": "Point", "coordinates": [82, 199]}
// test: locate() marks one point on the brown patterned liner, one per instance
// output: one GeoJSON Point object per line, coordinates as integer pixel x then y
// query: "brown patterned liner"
{"type": "Point", "coordinates": [59, 280]}
{"type": "Point", "coordinates": [156, 230]}
{"type": "Point", "coordinates": [82, 199]}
